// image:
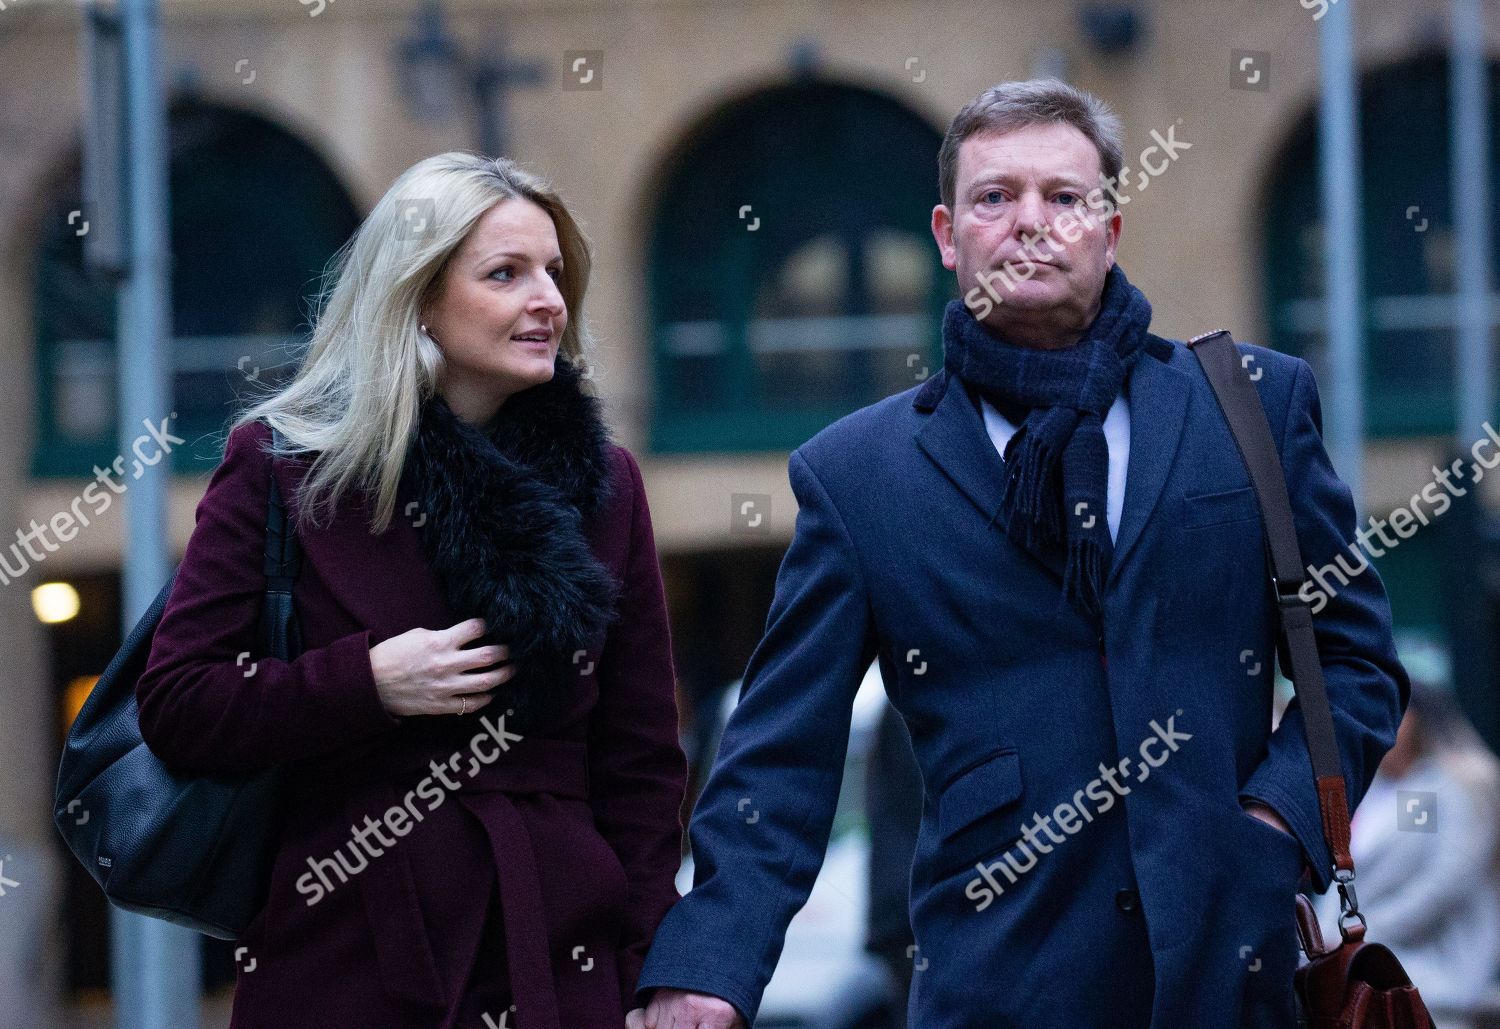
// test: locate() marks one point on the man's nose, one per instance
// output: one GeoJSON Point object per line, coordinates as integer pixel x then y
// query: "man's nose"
{"type": "Point", "coordinates": [1031, 213]}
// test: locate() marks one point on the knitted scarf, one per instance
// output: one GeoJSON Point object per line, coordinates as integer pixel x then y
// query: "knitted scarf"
{"type": "Point", "coordinates": [1057, 463]}
{"type": "Point", "coordinates": [507, 510]}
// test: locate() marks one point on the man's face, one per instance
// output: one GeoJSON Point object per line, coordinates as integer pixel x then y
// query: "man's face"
{"type": "Point", "coordinates": [1030, 246]}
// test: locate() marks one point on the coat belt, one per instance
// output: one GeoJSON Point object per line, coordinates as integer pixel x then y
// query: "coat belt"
{"type": "Point", "coordinates": [389, 891]}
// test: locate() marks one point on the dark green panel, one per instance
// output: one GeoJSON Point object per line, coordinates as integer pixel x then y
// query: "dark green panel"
{"type": "Point", "coordinates": [255, 217]}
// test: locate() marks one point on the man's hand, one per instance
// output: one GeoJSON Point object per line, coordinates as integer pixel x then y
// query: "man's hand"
{"type": "Point", "coordinates": [677, 1009]}
{"type": "Point", "coordinates": [1269, 816]}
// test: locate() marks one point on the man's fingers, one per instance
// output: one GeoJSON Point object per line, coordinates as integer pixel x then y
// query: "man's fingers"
{"type": "Point", "coordinates": [636, 1019]}
{"type": "Point", "coordinates": [680, 1010]}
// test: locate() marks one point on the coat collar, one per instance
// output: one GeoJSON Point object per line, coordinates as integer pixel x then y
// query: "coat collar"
{"type": "Point", "coordinates": [954, 438]}
{"type": "Point", "coordinates": [388, 582]}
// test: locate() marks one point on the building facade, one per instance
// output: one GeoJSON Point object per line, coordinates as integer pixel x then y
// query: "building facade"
{"type": "Point", "coordinates": [757, 179]}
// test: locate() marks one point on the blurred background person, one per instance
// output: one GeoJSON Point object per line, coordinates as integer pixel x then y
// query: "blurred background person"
{"type": "Point", "coordinates": [893, 808]}
{"type": "Point", "coordinates": [1425, 846]}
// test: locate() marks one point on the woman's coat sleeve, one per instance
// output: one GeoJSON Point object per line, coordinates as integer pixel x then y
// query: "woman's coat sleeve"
{"type": "Point", "coordinates": [209, 701]}
{"type": "Point", "coordinates": [637, 770]}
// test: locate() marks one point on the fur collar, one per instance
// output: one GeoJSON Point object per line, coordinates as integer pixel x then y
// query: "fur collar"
{"type": "Point", "coordinates": [507, 509]}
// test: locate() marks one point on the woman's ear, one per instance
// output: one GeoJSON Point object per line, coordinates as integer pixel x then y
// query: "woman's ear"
{"type": "Point", "coordinates": [424, 321]}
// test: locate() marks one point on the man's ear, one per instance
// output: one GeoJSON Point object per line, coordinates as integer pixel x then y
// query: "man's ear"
{"type": "Point", "coordinates": [1116, 225]}
{"type": "Point", "coordinates": [942, 232]}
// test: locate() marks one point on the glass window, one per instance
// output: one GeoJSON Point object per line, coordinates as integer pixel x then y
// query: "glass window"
{"type": "Point", "coordinates": [793, 275]}
{"type": "Point", "coordinates": [1408, 218]}
{"type": "Point", "coordinates": [255, 216]}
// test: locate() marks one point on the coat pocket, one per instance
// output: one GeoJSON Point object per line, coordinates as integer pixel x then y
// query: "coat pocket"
{"type": "Point", "coordinates": [1216, 508]}
{"type": "Point", "coordinates": [978, 811]}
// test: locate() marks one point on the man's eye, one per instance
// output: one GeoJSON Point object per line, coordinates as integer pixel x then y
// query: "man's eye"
{"type": "Point", "coordinates": [1074, 197]}
{"type": "Point", "coordinates": [993, 196]}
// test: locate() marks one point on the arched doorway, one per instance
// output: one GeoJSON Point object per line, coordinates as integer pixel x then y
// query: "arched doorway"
{"type": "Point", "coordinates": [793, 276]}
{"type": "Point", "coordinates": [1407, 219]}
{"type": "Point", "coordinates": [255, 215]}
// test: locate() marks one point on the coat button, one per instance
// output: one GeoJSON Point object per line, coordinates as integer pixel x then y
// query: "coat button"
{"type": "Point", "coordinates": [1127, 900]}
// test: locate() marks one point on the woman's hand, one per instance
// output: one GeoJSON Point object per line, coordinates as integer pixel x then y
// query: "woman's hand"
{"type": "Point", "coordinates": [427, 671]}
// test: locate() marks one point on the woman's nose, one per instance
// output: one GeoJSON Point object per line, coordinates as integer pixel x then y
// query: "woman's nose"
{"type": "Point", "coordinates": [548, 297]}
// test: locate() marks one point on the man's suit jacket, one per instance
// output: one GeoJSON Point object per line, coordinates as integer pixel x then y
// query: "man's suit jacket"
{"type": "Point", "coordinates": [1165, 905]}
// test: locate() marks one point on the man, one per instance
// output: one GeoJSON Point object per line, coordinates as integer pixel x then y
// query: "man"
{"type": "Point", "coordinates": [1053, 549]}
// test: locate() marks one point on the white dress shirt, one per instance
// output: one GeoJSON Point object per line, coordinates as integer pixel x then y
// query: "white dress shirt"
{"type": "Point", "coordinates": [1116, 435]}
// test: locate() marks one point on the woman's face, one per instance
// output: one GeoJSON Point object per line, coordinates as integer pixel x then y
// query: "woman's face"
{"type": "Point", "coordinates": [497, 313]}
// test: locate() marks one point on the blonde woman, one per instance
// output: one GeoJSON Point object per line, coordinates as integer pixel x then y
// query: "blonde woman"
{"type": "Point", "coordinates": [480, 734]}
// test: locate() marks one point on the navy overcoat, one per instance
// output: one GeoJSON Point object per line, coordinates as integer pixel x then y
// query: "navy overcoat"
{"type": "Point", "coordinates": [1083, 857]}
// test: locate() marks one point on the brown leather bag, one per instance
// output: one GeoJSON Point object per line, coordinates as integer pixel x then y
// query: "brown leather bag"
{"type": "Point", "coordinates": [1355, 984]}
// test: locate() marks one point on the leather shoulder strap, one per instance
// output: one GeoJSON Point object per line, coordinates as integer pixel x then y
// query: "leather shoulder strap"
{"type": "Point", "coordinates": [1240, 401]}
{"type": "Point", "coordinates": [280, 633]}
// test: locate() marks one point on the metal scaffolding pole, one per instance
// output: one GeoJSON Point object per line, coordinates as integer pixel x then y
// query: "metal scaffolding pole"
{"type": "Point", "coordinates": [155, 965]}
{"type": "Point", "coordinates": [1469, 123]}
{"type": "Point", "coordinates": [1339, 174]}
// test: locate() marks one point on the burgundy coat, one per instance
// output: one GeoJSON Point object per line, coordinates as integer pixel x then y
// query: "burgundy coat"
{"type": "Point", "coordinates": [549, 866]}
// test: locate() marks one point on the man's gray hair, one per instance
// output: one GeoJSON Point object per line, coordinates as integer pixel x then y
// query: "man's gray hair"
{"type": "Point", "coordinates": [1015, 105]}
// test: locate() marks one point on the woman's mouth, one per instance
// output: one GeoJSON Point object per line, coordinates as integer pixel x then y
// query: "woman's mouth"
{"type": "Point", "coordinates": [540, 341]}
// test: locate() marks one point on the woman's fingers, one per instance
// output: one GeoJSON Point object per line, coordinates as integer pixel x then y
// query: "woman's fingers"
{"type": "Point", "coordinates": [465, 631]}
{"type": "Point", "coordinates": [462, 694]}
{"type": "Point", "coordinates": [467, 703]}
{"type": "Point", "coordinates": [476, 682]}
{"type": "Point", "coordinates": [479, 657]}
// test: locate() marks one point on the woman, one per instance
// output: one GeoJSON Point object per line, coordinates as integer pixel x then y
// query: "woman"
{"type": "Point", "coordinates": [482, 822]}
{"type": "Point", "coordinates": [1426, 845]}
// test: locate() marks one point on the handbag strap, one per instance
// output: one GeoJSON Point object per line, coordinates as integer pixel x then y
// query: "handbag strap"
{"type": "Point", "coordinates": [1240, 401]}
{"type": "Point", "coordinates": [281, 635]}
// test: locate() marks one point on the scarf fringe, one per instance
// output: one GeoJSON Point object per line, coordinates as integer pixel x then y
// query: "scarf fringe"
{"type": "Point", "coordinates": [1057, 465]}
{"type": "Point", "coordinates": [1083, 582]}
{"type": "Point", "coordinates": [1029, 495]}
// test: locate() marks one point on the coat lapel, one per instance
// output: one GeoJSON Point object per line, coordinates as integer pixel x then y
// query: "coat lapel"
{"type": "Point", "coordinates": [954, 437]}
{"type": "Point", "coordinates": [1158, 394]}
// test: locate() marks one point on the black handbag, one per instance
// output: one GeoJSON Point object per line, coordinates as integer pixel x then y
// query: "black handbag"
{"type": "Point", "coordinates": [193, 850]}
{"type": "Point", "coordinates": [1356, 984]}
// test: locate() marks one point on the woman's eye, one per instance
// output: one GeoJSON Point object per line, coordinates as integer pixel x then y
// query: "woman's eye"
{"type": "Point", "coordinates": [556, 274]}
{"type": "Point", "coordinates": [505, 270]}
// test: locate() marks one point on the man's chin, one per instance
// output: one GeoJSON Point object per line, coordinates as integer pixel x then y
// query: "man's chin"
{"type": "Point", "coordinates": [1029, 296]}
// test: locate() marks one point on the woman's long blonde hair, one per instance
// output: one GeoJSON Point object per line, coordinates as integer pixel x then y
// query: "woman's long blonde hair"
{"type": "Point", "coordinates": [356, 399]}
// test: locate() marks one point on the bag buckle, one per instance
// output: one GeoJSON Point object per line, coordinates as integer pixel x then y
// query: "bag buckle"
{"type": "Point", "coordinates": [1349, 912]}
{"type": "Point", "coordinates": [1291, 596]}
